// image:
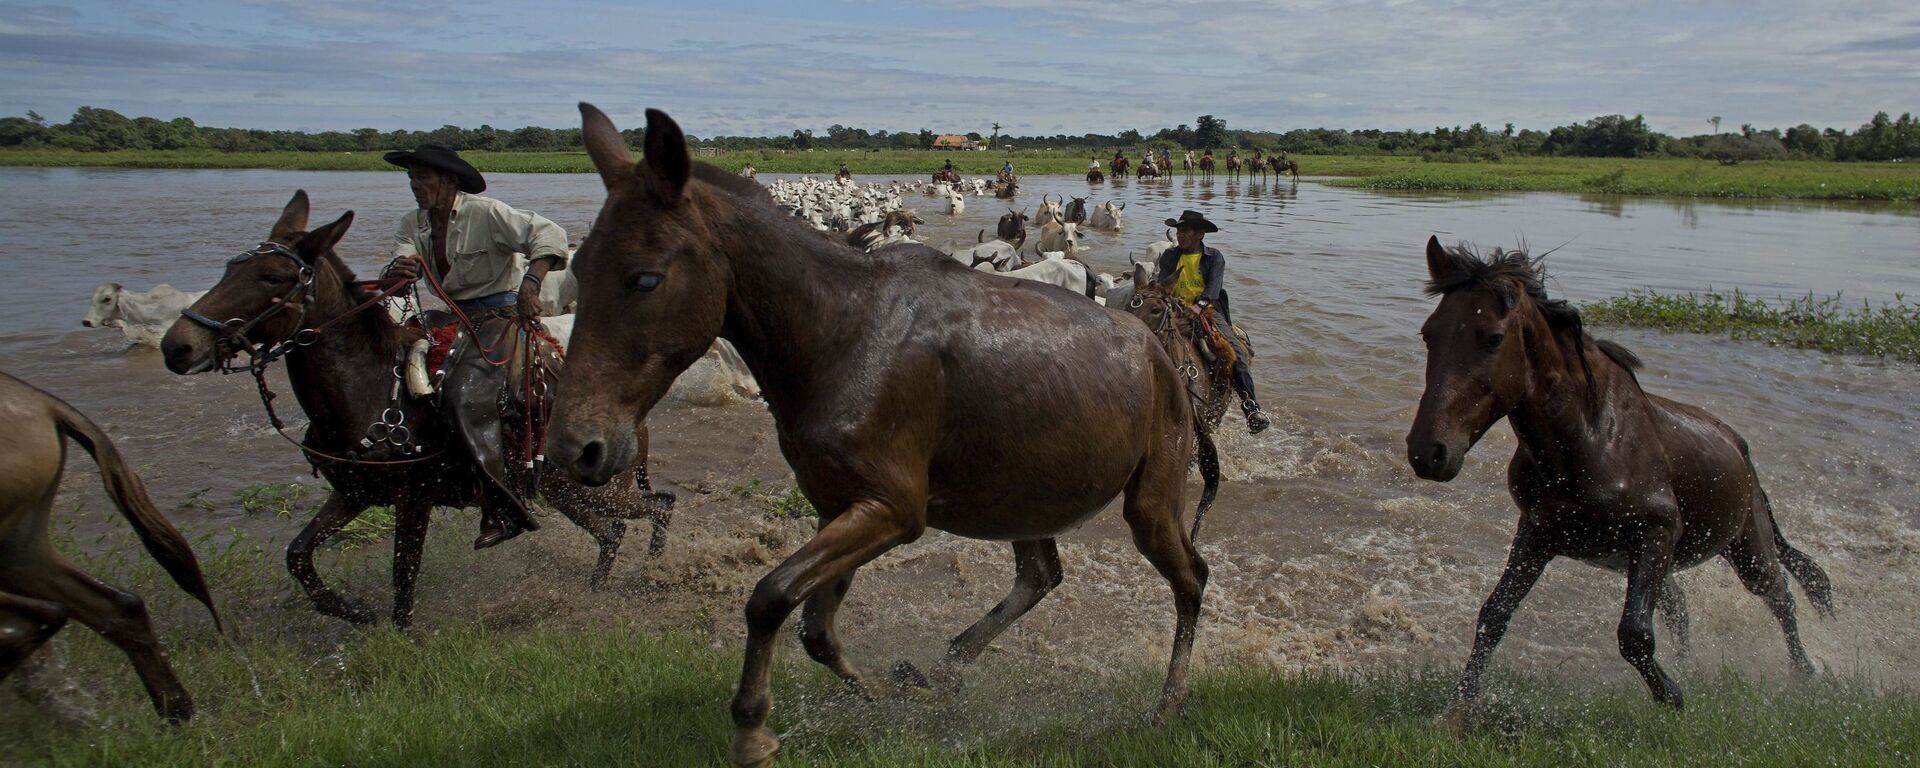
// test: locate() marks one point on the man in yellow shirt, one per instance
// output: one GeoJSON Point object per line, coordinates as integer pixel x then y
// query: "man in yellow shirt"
{"type": "Point", "coordinates": [1197, 275]}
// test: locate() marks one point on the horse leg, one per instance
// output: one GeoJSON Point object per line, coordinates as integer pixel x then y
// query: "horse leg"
{"type": "Point", "coordinates": [1525, 562]}
{"type": "Point", "coordinates": [409, 538]}
{"type": "Point", "coordinates": [1757, 562]}
{"type": "Point", "coordinates": [1671, 603]}
{"type": "Point", "coordinates": [119, 616]}
{"type": "Point", "coordinates": [1651, 566]}
{"type": "Point", "coordinates": [853, 538]}
{"type": "Point", "coordinates": [1036, 571]}
{"type": "Point", "coordinates": [822, 640]}
{"type": "Point", "coordinates": [25, 625]}
{"type": "Point", "coordinates": [1153, 510]}
{"type": "Point", "coordinates": [333, 515]}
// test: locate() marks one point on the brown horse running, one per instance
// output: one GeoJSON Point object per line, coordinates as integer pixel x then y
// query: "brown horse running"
{"type": "Point", "coordinates": [345, 379]}
{"type": "Point", "coordinates": [1604, 473]}
{"type": "Point", "coordinates": [907, 391]}
{"type": "Point", "coordinates": [39, 589]}
{"type": "Point", "coordinates": [1119, 166]}
{"type": "Point", "coordinates": [1208, 384]}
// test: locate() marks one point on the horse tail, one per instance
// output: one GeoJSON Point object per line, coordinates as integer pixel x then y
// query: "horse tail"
{"type": "Point", "coordinates": [1209, 457]}
{"type": "Point", "coordinates": [161, 539]}
{"type": "Point", "coordinates": [1811, 576]}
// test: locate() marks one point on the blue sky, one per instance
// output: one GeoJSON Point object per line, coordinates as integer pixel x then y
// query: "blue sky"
{"type": "Point", "coordinates": [1052, 66]}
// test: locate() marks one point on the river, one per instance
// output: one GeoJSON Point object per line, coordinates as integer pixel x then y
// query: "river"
{"type": "Point", "coordinates": [1326, 551]}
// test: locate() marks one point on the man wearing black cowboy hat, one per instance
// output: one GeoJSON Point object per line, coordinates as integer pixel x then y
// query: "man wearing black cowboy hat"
{"type": "Point", "coordinates": [1197, 274]}
{"type": "Point", "coordinates": [472, 246]}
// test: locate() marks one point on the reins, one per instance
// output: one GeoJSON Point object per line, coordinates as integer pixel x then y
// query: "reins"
{"type": "Point", "coordinates": [233, 334]}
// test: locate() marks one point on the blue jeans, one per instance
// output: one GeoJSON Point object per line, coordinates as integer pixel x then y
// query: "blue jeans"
{"type": "Point", "coordinates": [489, 301]}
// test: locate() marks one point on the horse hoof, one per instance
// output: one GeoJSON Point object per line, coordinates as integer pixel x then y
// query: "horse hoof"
{"type": "Point", "coordinates": [753, 748]}
{"type": "Point", "coordinates": [906, 675]}
{"type": "Point", "coordinates": [350, 611]}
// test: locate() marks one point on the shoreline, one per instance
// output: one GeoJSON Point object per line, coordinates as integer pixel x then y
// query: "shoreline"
{"type": "Point", "coordinates": [1661, 177]}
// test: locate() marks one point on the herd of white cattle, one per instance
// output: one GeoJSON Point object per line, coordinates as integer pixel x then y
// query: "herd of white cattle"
{"type": "Point", "coordinates": [875, 216]}
{"type": "Point", "coordinates": [869, 217]}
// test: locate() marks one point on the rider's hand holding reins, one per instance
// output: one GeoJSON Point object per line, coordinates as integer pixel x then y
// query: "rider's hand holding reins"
{"type": "Point", "coordinates": [402, 268]}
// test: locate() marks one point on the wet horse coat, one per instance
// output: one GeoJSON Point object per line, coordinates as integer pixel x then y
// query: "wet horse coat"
{"type": "Point", "coordinates": [907, 390]}
{"type": "Point", "coordinates": [1604, 472]}
{"type": "Point", "coordinates": [39, 589]}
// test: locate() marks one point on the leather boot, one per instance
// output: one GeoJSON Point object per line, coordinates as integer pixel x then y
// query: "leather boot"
{"type": "Point", "coordinates": [1256, 418]}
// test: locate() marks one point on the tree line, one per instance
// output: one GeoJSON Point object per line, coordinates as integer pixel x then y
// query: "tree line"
{"type": "Point", "coordinates": [94, 129]}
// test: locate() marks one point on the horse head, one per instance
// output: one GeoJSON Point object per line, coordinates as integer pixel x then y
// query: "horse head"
{"type": "Point", "coordinates": [1494, 339]}
{"type": "Point", "coordinates": [268, 294]}
{"type": "Point", "coordinates": [654, 289]}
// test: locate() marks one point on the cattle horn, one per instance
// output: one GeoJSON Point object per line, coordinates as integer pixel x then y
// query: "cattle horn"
{"type": "Point", "coordinates": [981, 238]}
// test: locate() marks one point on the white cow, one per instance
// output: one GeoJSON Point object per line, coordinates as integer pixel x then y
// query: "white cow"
{"type": "Point", "coordinates": [1056, 236]}
{"type": "Point", "coordinates": [1057, 269]}
{"type": "Point", "coordinates": [956, 202]}
{"type": "Point", "coordinates": [143, 316]}
{"type": "Point", "coordinates": [998, 255]}
{"type": "Point", "coordinates": [716, 378]}
{"type": "Point", "coordinates": [1107, 216]}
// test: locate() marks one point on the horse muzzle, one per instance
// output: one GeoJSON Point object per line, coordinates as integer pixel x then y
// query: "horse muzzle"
{"type": "Point", "coordinates": [1434, 459]}
{"type": "Point", "coordinates": [189, 350]}
{"type": "Point", "coordinates": [589, 455]}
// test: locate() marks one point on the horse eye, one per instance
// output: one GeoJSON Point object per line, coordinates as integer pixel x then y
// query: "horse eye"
{"type": "Point", "coordinates": [647, 281]}
{"type": "Point", "coordinates": [272, 279]}
{"type": "Point", "coordinates": [1493, 342]}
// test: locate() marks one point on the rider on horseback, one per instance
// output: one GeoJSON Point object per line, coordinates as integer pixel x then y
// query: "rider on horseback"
{"type": "Point", "coordinates": [474, 244]}
{"type": "Point", "coordinates": [1197, 274]}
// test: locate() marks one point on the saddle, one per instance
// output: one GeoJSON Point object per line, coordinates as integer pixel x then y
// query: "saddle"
{"type": "Point", "coordinates": [494, 393]}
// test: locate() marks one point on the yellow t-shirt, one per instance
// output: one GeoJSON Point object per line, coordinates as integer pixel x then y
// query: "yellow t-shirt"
{"type": "Point", "coordinates": [1188, 282]}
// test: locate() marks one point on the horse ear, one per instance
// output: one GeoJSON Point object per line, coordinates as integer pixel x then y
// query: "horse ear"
{"type": "Point", "coordinates": [1140, 276]}
{"type": "Point", "coordinates": [293, 218]}
{"type": "Point", "coordinates": [322, 240]}
{"type": "Point", "coordinates": [1440, 264]}
{"type": "Point", "coordinates": [605, 145]}
{"type": "Point", "coordinates": [667, 163]}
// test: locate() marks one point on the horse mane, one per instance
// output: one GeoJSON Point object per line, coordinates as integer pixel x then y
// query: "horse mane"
{"type": "Point", "coordinates": [1513, 273]}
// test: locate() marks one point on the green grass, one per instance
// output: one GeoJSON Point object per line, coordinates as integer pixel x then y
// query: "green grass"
{"type": "Point", "coordinates": [1645, 176]}
{"type": "Point", "coordinates": [1827, 323]}
{"type": "Point", "coordinates": [291, 500]}
{"type": "Point", "coordinates": [1814, 180]}
{"type": "Point", "coordinates": [613, 697]}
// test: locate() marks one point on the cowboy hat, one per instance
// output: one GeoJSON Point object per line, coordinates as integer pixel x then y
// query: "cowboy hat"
{"type": "Point", "coordinates": [1193, 220]}
{"type": "Point", "coordinates": [441, 157]}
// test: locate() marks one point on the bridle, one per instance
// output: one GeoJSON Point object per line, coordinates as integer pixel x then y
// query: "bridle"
{"type": "Point", "coordinates": [232, 334]}
{"type": "Point", "coordinates": [231, 338]}
{"type": "Point", "coordinates": [1164, 329]}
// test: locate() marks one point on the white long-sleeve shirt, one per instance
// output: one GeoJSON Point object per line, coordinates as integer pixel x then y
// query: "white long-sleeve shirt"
{"type": "Point", "coordinates": [484, 240]}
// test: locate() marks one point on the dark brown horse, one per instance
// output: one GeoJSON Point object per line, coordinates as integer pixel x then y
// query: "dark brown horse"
{"type": "Point", "coordinates": [1604, 473]}
{"type": "Point", "coordinates": [1119, 166]}
{"type": "Point", "coordinates": [1282, 165]}
{"type": "Point", "coordinates": [907, 391]}
{"type": "Point", "coordinates": [1206, 165]}
{"type": "Point", "coordinates": [344, 371]}
{"type": "Point", "coordinates": [39, 589]}
{"type": "Point", "coordinates": [1209, 383]}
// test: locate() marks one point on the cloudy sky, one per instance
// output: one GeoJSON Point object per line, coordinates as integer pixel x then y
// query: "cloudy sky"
{"type": "Point", "coordinates": [1037, 66]}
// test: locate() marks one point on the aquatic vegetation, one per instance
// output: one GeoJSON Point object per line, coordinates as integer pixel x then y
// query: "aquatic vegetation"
{"type": "Point", "coordinates": [1827, 323]}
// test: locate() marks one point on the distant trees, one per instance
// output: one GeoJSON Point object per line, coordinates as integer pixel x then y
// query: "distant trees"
{"type": "Point", "coordinates": [1884, 137]}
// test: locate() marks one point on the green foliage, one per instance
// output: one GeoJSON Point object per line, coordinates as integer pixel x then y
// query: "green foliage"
{"type": "Point", "coordinates": [461, 696]}
{"type": "Point", "coordinates": [1826, 323]}
{"type": "Point", "coordinates": [277, 499]}
{"type": "Point", "coordinates": [103, 130]}
{"type": "Point", "coordinates": [793, 505]}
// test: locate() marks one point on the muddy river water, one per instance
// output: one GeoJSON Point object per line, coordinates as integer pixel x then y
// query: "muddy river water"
{"type": "Point", "coordinates": [1326, 552]}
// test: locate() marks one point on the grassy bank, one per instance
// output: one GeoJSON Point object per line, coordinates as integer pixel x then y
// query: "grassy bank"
{"type": "Point", "coordinates": [1652, 176]}
{"type": "Point", "coordinates": [609, 697]}
{"type": "Point", "coordinates": [1648, 176]}
{"type": "Point", "coordinates": [1828, 323]}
